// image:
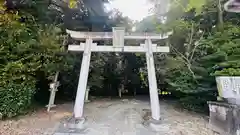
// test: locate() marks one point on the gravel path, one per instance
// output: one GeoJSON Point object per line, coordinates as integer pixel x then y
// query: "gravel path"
{"type": "Point", "coordinates": [108, 117]}
{"type": "Point", "coordinates": [36, 123]}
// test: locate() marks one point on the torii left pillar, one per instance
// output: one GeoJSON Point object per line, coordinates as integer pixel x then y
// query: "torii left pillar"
{"type": "Point", "coordinates": [83, 77]}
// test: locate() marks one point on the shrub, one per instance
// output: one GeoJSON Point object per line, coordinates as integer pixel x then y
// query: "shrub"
{"type": "Point", "coordinates": [15, 98]}
{"type": "Point", "coordinates": [25, 48]}
{"type": "Point", "coordinates": [197, 102]}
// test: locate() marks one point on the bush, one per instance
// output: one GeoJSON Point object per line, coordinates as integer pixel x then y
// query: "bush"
{"type": "Point", "coordinates": [15, 98]}
{"type": "Point", "coordinates": [196, 102]}
{"type": "Point", "coordinates": [25, 49]}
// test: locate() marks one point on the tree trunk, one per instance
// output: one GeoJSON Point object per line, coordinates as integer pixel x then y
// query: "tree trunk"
{"type": "Point", "coordinates": [220, 15]}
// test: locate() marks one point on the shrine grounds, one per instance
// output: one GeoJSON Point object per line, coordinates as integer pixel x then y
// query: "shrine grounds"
{"type": "Point", "coordinates": [111, 117]}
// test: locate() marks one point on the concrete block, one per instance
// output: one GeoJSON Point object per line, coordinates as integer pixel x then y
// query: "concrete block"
{"type": "Point", "coordinates": [224, 118]}
{"type": "Point", "coordinates": [71, 126]}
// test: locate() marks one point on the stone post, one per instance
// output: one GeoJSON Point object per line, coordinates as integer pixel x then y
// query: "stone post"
{"type": "Point", "coordinates": [87, 95]}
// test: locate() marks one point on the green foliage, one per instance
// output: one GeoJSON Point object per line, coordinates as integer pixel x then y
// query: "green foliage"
{"type": "Point", "coordinates": [199, 52]}
{"type": "Point", "coordinates": [147, 24]}
{"type": "Point", "coordinates": [31, 50]}
{"type": "Point", "coordinates": [224, 50]}
{"type": "Point", "coordinates": [179, 8]}
{"type": "Point", "coordinates": [187, 5]}
{"type": "Point", "coordinates": [196, 102]}
{"type": "Point", "coordinates": [15, 98]}
{"type": "Point", "coordinates": [25, 49]}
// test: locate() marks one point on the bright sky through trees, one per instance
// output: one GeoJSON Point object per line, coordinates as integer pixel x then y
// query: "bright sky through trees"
{"type": "Point", "coordinates": [134, 9]}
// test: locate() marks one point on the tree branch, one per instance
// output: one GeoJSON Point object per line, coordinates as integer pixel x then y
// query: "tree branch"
{"type": "Point", "coordinates": [187, 62]}
{"type": "Point", "coordinates": [193, 51]}
{"type": "Point", "coordinates": [220, 15]}
{"type": "Point", "coordinates": [190, 41]}
{"type": "Point", "coordinates": [174, 49]}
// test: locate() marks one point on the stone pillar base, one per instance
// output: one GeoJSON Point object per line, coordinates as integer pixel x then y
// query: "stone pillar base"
{"type": "Point", "coordinates": [87, 101]}
{"type": "Point", "coordinates": [156, 125]}
{"type": "Point", "coordinates": [71, 126]}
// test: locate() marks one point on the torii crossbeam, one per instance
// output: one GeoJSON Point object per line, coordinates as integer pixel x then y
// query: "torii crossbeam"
{"type": "Point", "coordinates": [118, 35]}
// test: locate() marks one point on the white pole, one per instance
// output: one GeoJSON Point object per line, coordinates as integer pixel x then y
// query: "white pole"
{"type": "Point", "coordinates": [155, 106]}
{"type": "Point", "coordinates": [83, 77]}
{"type": "Point", "coordinates": [53, 89]}
{"type": "Point", "coordinates": [51, 101]}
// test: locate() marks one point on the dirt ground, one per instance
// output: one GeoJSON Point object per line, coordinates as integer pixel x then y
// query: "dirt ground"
{"type": "Point", "coordinates": [109, 117]}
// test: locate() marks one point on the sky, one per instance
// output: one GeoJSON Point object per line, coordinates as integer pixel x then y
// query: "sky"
{"type": "Point", "coordinates": [134, 9]}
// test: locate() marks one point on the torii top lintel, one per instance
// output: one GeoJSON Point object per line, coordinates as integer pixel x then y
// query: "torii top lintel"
{"type": "Point", "coordinates": [116, 30]}
{"type": "Point", "coordinates": [118, 36]}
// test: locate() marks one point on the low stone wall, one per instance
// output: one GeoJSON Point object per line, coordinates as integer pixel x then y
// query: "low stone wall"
{"type": "Point", "coordinates": [224, 118]}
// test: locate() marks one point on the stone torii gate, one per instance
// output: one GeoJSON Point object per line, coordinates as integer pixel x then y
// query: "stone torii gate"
{"type": "Point", "coordinates": [117, 35]}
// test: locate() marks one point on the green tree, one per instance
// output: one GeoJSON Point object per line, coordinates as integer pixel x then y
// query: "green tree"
{"type": "Point", "coordinates": [200, 50]}
{"type": "Point", "coordinates": [26, 47]}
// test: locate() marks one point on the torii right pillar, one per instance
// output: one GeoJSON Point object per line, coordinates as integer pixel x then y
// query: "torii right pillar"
{"type": "Point", "coordinates": [152, 82]}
